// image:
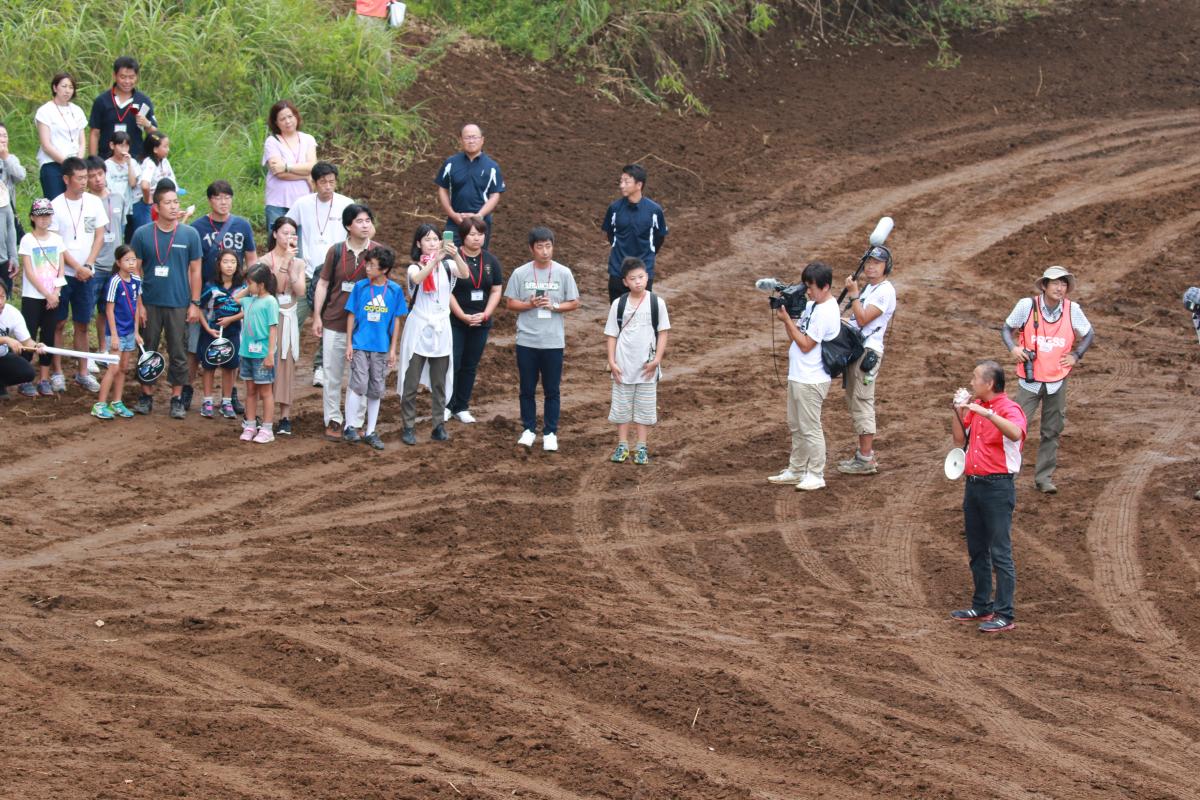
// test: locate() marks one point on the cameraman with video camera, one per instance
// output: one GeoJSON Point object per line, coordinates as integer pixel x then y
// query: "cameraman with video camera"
{"type": "Point", "coordinates": [871, 309]}
{"type": "Point", "coordinates": [808, 381]}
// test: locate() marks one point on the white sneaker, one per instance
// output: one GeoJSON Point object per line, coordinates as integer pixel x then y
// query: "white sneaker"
{"type": "Point", "coordinates": [447, 415]}
{"type": "Point", "coordinates": [787, 476]}
{"type": "Point", "coordinates": [810, 483]}
{"type": "Point", "coordinates": [318, 377]}
{"type": "Point", "coordinates": [465, 417]}
{"type": "Point", "coordinates": [93, 367]}
{"type": "Point", "coordinates": [527, 438]}
{"type": "Point", "coordinates": [550, 442]}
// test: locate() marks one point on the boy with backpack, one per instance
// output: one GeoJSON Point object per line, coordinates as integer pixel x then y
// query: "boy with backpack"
{"type": "Point", "coordinates": [637, 340]}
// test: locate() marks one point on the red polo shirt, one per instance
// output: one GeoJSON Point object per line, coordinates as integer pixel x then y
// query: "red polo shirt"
{"type": "Point", "coordinates": [989, 451]}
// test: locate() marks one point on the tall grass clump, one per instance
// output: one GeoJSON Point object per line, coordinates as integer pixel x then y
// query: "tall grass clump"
{"type": "Point", "coordinates": [656, 47]}
{"type": "Point", "coordinates": [641, 41]}
{"type": "Point", "coordinates": [213, 69]}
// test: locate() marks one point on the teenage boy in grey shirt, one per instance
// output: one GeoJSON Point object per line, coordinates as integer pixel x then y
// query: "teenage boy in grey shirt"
{"type": "Point", "coordinates": [541, 291]}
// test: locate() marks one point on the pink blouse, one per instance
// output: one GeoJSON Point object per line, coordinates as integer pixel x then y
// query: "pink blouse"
{"type": "Point", "coordinates": [280, 192]}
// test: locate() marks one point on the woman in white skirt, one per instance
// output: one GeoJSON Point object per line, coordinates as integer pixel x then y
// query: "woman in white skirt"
{"type": "Point", "coordinates": [427, 343]}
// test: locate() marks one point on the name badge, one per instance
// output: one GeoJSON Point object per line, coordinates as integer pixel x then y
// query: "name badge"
{"type": "Point", "coordinates": [255, 347]}
{"type": "Point", "coordinates": [285, 299]}
{"type": "Point", "coordinates": [119, 127]}
{"type": "Point", "coordinates": [162, 271]}
{"type": "Point", "coordinates": [109, 237]}
{"type": "Point", "coordinates": [477, 295]}
{"type": "Point", "coordinates": [347, 286]}
{"type": "Point", "coordinates": [544, 313]}
{"type": "Point", "coordinates": [373, 316]}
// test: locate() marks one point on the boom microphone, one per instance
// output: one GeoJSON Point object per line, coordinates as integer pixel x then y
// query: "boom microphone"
{"type": "Point", "coordinates": [769, 285]}
{"type": "Point", "coordinates": [882, 231]}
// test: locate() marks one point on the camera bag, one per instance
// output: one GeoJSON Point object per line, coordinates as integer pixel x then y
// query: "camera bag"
{"type": "Point", "coordinates": [842, 350]}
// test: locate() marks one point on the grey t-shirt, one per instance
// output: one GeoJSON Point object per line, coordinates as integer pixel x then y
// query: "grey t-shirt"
{"type": "Point", "coordinates": [116, 208]}
{"type": "Point", "coordinates": [542, 328]}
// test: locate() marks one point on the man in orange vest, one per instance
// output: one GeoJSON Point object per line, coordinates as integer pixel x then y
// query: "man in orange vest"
{"type": "Point", "coordinates": [1048, 334]}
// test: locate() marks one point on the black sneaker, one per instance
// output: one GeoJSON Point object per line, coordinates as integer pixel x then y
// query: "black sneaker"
{"type": "Point", "coordinates": [970, 615]}
{"type": "Point", "coordinates": [186, 397]}
{"type": "Point", "coordinates": [284, 428]}
{"type": "Point", "coordinates": [439, 434]}
{"type": "Point", "coordinates": [350, 436]}
{"type": "Point", "coordinates": [144, 404]}
{"type": "Point", "coordinates": [178, 410]}
{"type": "Point", "coordinates": [997, 624]}
{"type": "Point", "coordinates": [238, 408]}
{"type": "Point", "coordinates": [408, 436]}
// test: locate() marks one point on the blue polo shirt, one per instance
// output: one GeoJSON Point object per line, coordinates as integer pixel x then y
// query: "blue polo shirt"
{"type": "Point", "coordinates": [232, 234]}
{"type": "Point", "coordinates": [107, 119]}
{"type": "Point", "coordinates": [470, 183]}
{"type": "Point", "coordinates": [634, 229]}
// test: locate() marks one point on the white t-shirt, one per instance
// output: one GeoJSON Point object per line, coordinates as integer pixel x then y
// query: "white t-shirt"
{"type": "Point", "coordinates": [45, 257]}
{"type": "Point", "coordinates": [117, 177]}
{"type": "Point", "coordinates": [12, 325]}
{"type": "Point", "coordinates": [636, 337]}
{"type": "Point", "coordinates": [822, 323]}
{"type": "Point", "coordinates": [76, 222]}
{"type": "Point", "coordinates": [883, 297]}
{"type": "Point", "coordinates": [66, 123]}
{"type": "Point", "coordinates": [320, 226]}
{"type": "Point", "coordinates": [150, 174]}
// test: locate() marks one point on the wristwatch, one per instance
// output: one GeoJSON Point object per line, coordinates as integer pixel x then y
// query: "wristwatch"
{"type": "Point", "coordinates": [554, 306]}
{"type": "Point", "coordinates": [196, 303]}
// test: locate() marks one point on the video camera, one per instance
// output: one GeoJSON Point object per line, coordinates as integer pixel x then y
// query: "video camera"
{"type": "Point", "coordinates": [1191, 299]}
{"type": "Point", "coordinates": [792, 297]}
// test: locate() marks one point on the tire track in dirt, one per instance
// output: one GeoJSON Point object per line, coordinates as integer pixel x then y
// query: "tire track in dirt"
{"type": "Point", "coordinates": [74, 711]}
{"type": "Point", "coordinates": [1112, 541]}
{"type": "Point", "coordinates": [278, 706]}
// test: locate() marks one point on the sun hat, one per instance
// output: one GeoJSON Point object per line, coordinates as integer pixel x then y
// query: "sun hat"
{"type": "Point", "coordinates": [1054, 274]}
{"type": "Point", "coordinates": [41, 208]}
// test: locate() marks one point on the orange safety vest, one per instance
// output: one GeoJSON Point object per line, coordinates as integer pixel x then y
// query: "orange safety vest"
{"type": "Point", "coordinates": [1052, 340]}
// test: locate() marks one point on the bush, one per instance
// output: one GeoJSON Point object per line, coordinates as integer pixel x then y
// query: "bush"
{"type": "Point", "coordinates": [213, 69]}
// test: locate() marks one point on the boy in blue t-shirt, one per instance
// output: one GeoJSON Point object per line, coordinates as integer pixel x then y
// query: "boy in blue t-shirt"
{"type": "Point", "coordinates": [373, 319]}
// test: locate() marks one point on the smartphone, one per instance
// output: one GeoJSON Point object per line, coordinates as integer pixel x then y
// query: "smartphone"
{"type": "Point", "coordinates": [447, 236]}
{"type": "Point", "coordinates": [539, 292]}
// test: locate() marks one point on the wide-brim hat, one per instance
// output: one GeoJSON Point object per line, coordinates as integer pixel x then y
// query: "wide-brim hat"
{"type": "Point", "coordinates": [1054, 274]}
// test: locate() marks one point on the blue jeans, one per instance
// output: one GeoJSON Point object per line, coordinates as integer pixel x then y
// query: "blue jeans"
{"type": "Point", "coordinates": [468, 349]}
{"type": "Point", "coordinates": [273, 213]}
{"type": "Point", "coordinates": [140, 214]}
{"type": "Point", "coordinates": [533, 362]}
{"type": "Point", "coordinates": [988, 505]}
{"type": "Point", "coordinates": [51, 176]}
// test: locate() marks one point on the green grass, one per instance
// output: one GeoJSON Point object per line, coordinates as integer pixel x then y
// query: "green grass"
{"type": "Point", "coordinates": [213, 69]}
{"type": "Point", "coordinates": [642, 44]}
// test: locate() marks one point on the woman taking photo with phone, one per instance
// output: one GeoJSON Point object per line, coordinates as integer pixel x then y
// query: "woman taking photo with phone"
{"type": "Point", "coordinates": [426, 344]}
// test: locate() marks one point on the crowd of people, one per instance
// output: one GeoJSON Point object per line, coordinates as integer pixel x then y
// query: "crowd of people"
{"type": "Point", "coordinates": [109, 240]}
{"type": "Point", "coordinates": [109, 243]}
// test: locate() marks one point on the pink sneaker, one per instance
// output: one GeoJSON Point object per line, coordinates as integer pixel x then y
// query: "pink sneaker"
{"type": "Point", "coordinates": [247, 434]}
{"type": "Point", "coordinates": [264, 436]}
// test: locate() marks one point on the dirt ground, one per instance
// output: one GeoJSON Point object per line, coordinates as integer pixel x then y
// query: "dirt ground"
{"type": "Point", "coordinates": [467, 621]}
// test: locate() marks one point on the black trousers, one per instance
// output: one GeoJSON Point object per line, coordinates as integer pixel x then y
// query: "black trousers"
{"type": "Point", "coordinates": [14, 369]}
{"type": "Point", "coordinates": [40, 323]}
{"type": "Point", "coordinates": [468, 349]}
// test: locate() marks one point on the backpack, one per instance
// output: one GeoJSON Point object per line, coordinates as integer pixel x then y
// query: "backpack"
{"type": "Point", "coordinates": [623, 301]}
{"type": "Point", "coordinates": [842, 350]}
